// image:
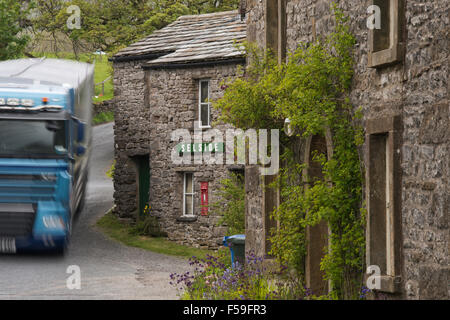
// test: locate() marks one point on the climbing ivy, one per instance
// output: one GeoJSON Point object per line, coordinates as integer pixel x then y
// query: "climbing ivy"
{"type": "Point", "coordinates": [230, 204]}
{"type": "Point", "coordinates": [312, 90]}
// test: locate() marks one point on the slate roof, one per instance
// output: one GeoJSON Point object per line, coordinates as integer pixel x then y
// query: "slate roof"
{"type": "Point", "coordinates": [191, 38]}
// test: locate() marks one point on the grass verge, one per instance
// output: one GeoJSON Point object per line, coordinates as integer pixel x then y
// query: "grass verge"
{"type": "Point", "coordinates": [122, 232]}
{"type": "Point", "coordinates": [103, 117]}
{"type": "Point", "coordinates": [103, 70]}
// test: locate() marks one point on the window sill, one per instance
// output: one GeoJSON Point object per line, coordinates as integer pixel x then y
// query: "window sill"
{"type": "Point", "coordinates": [185, 169]}
{"type": "Point", "coordinates": [386, 57]}
{"type": "Point", "coordinates": [388, 284]}
{"type": "Point", "coordinates": [187, 219]}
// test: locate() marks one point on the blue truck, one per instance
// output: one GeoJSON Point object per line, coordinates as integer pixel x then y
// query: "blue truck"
{"type": "Point", "coordinates": [45, 144]}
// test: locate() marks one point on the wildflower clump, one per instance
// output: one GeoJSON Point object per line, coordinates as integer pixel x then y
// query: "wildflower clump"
{"type": "Point", "coordinates": [148, 225]}
{"type": "Point", "coordinates": [213, 278]}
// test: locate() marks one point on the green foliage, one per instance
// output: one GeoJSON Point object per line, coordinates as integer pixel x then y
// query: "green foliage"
{"type": "Point", "coordinates": [204, 6]}
{"type": "Point", "coordinates": [103, 117]}
{"type": "Point", "coordinates": [312, 90]}
{"type": "Point", "coordinates": [13, 40]}
{"type": "Point", "coordinates": [231, 204]}
{"type": "Point", "coordinates": [248, 102]}
{"type": "Point", "coordinates": [110, 172]}
{"type": "Point", "coordinates": [123, 232]}
{"type": "Point", "coordinates": [289, 242]}
{"type": "Point", "coordinates": [148, 225]}
{"type": "Point", "coordinates": [103, 70]}
{"type": "Point", "coordinates": [214, 279]}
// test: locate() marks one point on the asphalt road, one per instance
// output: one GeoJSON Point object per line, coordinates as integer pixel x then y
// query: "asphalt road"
{"type": "Point", "coordinates": [109, 270]}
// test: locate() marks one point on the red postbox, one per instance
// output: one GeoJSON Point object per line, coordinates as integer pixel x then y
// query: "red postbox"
{"type": "Point", "coordinates": [204, 200]}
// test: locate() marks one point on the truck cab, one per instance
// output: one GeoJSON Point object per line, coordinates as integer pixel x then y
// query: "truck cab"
{"type": "Point", "coordinates": [45, 141]}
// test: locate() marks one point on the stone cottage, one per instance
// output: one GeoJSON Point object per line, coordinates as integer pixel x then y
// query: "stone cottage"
{"type": "Point", "coordinates": [401, 81]}
{"type": "Point", "coordinates": [164, 84]}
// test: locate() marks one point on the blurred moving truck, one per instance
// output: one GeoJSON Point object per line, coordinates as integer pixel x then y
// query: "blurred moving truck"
{"type": "Point", "coordinates": [45, 142]}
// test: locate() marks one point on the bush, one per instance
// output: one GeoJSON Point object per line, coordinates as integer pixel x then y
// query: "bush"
{"type": "Point", "coordinates": [149, 226]}
{"type": "Point", "coordinates": [231, 204]}
{"type": "Point", "coordinates": [110, 172]}
{"type": "Point", "coordinates": [103, 117]}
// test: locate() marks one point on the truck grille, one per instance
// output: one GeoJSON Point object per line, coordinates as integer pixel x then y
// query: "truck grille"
{"type": "Point", "coordinates": [26, 188]}
{"type": "Point", "coordinates": [16, 220]}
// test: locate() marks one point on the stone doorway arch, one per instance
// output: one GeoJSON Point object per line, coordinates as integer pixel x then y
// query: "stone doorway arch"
{"type": "Point", "coordinates": [316, 236]}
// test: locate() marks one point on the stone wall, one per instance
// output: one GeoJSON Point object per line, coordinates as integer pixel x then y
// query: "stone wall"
{"type": "Point", "coordinates": [150, 105]}
{"type": "Point", "coordinates": [417, 90]}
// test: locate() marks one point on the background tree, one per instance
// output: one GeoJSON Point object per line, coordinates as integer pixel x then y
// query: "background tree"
{"type": "Point", "coordinates": [203, 6]}
{"type": "Point", "coordinates": [110, 25]}
{"type": "Point", "coordinates": [230, 204]}
{"type": "Point", "coordinates": [13, 19]}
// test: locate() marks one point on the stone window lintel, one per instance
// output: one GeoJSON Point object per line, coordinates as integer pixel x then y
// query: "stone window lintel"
{"type": "Point", "coordinates": [382, 125]}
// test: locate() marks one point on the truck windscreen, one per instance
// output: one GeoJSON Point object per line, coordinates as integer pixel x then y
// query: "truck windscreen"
{"type": "Point", "coordinates": [32, 138]}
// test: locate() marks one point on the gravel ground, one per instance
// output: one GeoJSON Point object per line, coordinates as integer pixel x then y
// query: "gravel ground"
{"type": "Point", "coordinates": [109, 270]}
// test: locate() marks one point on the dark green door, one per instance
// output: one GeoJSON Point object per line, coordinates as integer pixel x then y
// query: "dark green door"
{"type": "Point", "coordinates": [144, 182]}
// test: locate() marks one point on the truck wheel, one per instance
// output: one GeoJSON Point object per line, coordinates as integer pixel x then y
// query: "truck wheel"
{"type": "Point", "coordinates": [61, 248]}
{"type": "Point", "coordinates": [81, 204]}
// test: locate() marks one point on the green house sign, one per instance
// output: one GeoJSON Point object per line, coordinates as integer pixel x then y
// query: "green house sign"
{"type": "Point", "coordinates": [210, 147]}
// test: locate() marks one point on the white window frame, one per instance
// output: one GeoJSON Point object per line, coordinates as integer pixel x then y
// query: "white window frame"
{"type": "Point", "coordinates": [200, 103]}
{"type": "Point", "coordinates": [188, 194]}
